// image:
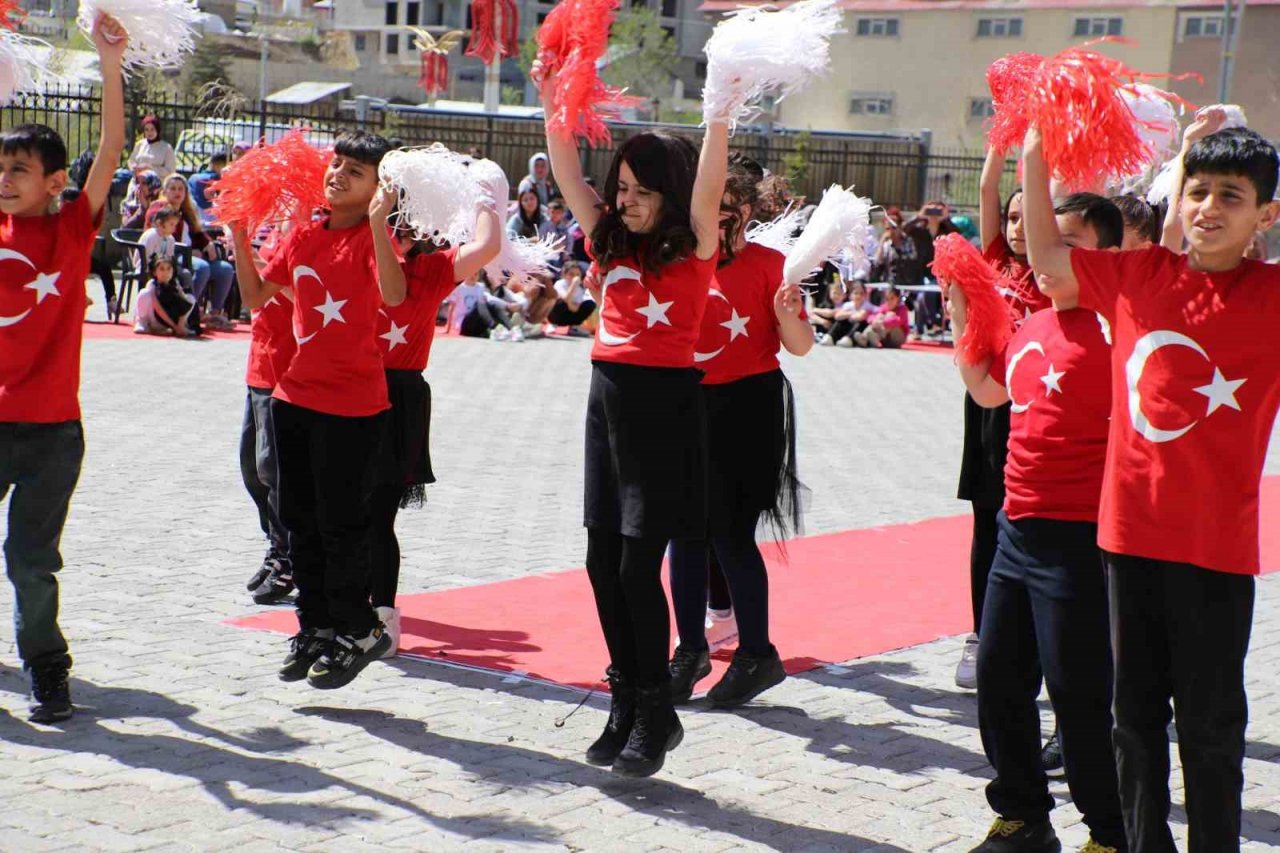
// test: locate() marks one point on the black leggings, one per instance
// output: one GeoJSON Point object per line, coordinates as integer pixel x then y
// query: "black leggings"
{"type": "Point", "coordinates": [718, 597]}
{"type": "Point", "coordinates": [626, 579]}
{"type": "Point", "coordinates": [562, 315]}
{"type": "Point", "coordinates": [384, 569]}
{"type": "Point", "coordinates": [744, 569]}
{"type": "Point", "coordinates": [982, 552]}
{"type": "Point", "coordinates": [844, 328]}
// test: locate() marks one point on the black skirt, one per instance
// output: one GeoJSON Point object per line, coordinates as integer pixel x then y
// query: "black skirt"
{"type": "Point", "coordinates": [986, 444]}
{"type": "Point", "coordinates": [646, 452]}
{"type": "Point", "coordinates": [751, 454]}
{"type": "Point", "coordinates": [405, 460]}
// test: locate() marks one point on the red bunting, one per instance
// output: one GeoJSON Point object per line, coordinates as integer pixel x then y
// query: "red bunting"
{"type": "Point", "coordinates": [434, 77]}
{"type": "Point", "coordinates": [489, 41]}
{"type": "Point", "coordinates": [272, 183]}
{"type": "Point", "coordinates": [990, 318]}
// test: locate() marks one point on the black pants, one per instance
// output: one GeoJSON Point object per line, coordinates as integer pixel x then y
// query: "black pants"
{"type": "Point", "coordinates": [845, 328]}
{"type": "Point", "coordinates": [103, 270]}
{"type": "Point", "coordinates": [744, 569]}
{"type": "Point", "coordinates": [982, 551]}
{"type": "Point", "coordinates": [41, 463]}
{"type": "Point", "coordinates": [718, 595]}
{"type": "Point", "coordinates": [258, 469]}
{"type": "Point", "coordinates": [384, 573]}
{"type": "Point", "coordinates": [1180, 632]}
{"type": "Point", "coordinates": [626, 580]}
{"type": "Point", "coordinates": [1046, 612]}
{"type": "Point", "coordinates": [562, 315]}
{"type": "Point", "coordinates": [326, 478]}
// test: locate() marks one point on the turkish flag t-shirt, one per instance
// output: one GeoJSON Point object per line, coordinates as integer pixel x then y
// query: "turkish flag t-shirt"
{"type": "Point", "coordinates": [44, 261]}
{"type": "Point", "coordinates": [1195, 378]}
{"type": "Point", "coordinates": [405, 331]}
{"type": "Point", "coordinates": [652, 319]}
{"type": "Point", "coordinates": [1057, 369]}
{"type": "Point", "coordinates": [1025, 297]}
{"type": "Point", "coordinates": [337, 368]}
{"type": "Point", "coordinates": [271, 343]}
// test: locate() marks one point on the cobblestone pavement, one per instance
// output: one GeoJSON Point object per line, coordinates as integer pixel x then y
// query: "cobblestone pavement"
{"type": "Point", "coordinates": [186, 740]}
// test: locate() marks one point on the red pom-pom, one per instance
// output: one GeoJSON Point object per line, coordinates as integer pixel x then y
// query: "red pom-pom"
{"type": "Point", "coordinates": [11, 14]}
{"type": "Point", "coordinates": [272, 183]}
{"type": "Point", "coordinates": [1011, 79]}
{"type": "Point", "coordinates": [990, 325]}
{"type": "Point", "coordinates": [571, 41]}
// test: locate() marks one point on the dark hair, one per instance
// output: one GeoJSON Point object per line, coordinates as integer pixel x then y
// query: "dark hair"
{"type": "Point", "coordinates": [1138, 216]}
{"type": "Point", "coordinates": [556, 203]}
{"type": "Point", "coordinates": [157, 259]}
{"type": "Point", "coordinates": [220, 157]}
{"type": "Point", "coordinates": [40, 141]}
{"type": "Point", "coordinates": [891, 290]}
{"type": "Point", "coordinates": [741, 185]}
{"type": "Point", "coordinates": [166, 212]}
{"type": "Point", "coordinates": [529, 224]}
{"type": "Point", "coordinates": [1008, 203]}
{"type": "Point", "coordinates": [1237, 151]}
{"type": "Point", "coordinates": [362, 146]}
{"type": "Point", "coordinates": [1098, 213]}
{"type": "Point", "coordinates": [667, 165]}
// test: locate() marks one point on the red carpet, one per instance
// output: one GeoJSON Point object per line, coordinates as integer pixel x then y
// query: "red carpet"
{"type": "Point", "coordinates": [840, 596]}
{"type": "Point", "coordinates": [942, 347]}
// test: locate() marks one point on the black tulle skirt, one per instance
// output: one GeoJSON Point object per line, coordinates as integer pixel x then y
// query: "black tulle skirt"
{"type": "Point", "coordinates": [405, 459]}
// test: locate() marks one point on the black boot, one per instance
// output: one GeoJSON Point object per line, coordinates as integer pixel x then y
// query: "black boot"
{"type": "Point", "coordinates": [622, 714]}
{"type": "Point", "coordinates": [50, 693]}
{"type": "Point", "coordinates": [688, 667]}
{"type": "Point", "coordinates": [657, 730]}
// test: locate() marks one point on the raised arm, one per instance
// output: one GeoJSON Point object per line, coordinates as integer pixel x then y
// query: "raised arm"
{"type": "Point", "coordinates": [254, 292]}
{"type": "Point", "coordinates": [391, 281]}
{"type": "Point", "coordinates": [1208, 120]}
{"type": "Point", "coordinates": [111, 39]}
{"type": "Point", "coordinates": [989, 202]}
{"type": "Point", "coordinates": [1049, 257]}
{"type": "Point", "coordinates": [471, 257]}
{"type": "Point", "coordinates": [984, 390]}
{"type": "Point", "coordinates": [794, 331]}
{"type": "Point", "coordinates": [565, 165]}
{"type": "Point", "coordinates": [708, 188]}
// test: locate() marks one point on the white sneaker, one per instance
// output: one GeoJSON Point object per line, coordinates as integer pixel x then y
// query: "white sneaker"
{"type": "Point", "coordinates": [967, 669]}
{"type": "Point", "coordinates": [390, 618]}
{"type": "Point", "coordinates": [533, 330]}
{"type": "Point", "coordinates": [825, 341]}
{"type": "Point", "coordinates": [500, 333]}
{"type": "Point", "coordinates": [845, 342]}
{"type": "Point", "coordinates": [722, 629]}
{"type": "Point", "coordinates": [517, 334]}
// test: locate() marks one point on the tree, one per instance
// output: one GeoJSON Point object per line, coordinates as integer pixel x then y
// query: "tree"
{"type": "Point", "coordinates": [795, 162]}
{"type": "Point", "coordinates": [208, 65]}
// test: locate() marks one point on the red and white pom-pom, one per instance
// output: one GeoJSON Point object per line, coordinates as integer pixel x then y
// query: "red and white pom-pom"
{"type": "Point", "coordinates": [522, 261]}
{"type": "Point", "coordinates": [571, 42]}
{"type": "Point", "coordinates": [779, 234]}
{"type": "Point", "coordinates": [956, 261]}
{"type": "Point", "coordinates": [1011, 79]}
{"type": "Point", "coordinates": [161, 32]}
{"type": "Point", "coordinates": [22, 65]}
{"type": "Point", "coordinates": [275, 183]}
{"type": "Point", "coordinates": [756, 51]}
{"type": "Point", "coordinates": [840, 222]}
{"type": "Point", "coordinates": [438, 193]}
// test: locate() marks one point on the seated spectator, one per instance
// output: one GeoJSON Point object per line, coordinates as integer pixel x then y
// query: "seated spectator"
{"type": "Point", "coordinates": [850, 318]}
{"type": "Point", "coordinates": [825, 303]}
{"type": "Point", "coordinates": [199, 186]}
{"type": "Point", "coordinates": [539, 179]}
{"type": "Point", "coordinates": [485, 313]}
{"type": "Point", "coordinates": [159, 240]}
{"type": "Point", "coordinates": [144, 192]}
{"type": "Point", "coordinates": [152, 152]}
{"type": "Point", "coordinates": [528, 218]}
{"type": "Point", "coordinates": [163, 308]}
{"type": "Point", "coordinates": [888, 324]}
{"type": "Point", "coordinates": [1141, 224]}
{"type": "Point", "coordinates": [574, 306]}
{"type": "Point", "coordinates": [535, 299]}
{"type": "Point", "coordinates": [207, 261]}
{"type": "Point", "coordinates": [557, 227]}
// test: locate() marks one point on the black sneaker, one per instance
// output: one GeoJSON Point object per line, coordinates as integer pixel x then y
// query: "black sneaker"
{"type": "Point", "coordinates": [305, 648]}
{"type": "Point", "coordinates": [345, 657]}
{"type": "Point", "coordinates": [276, 587]}
{"type": "Point", "coordinates": [50, 694]}
{"type": "Point", "coordinates": [688, 667]}
{"type": "Point", "coordinates": [1019, 836]}
{"type": "Point", "coordinates": [260, 575]}
{"type": "Point", "coordinates": [748, 676]}
{"type": "Point", "coordinates": [622, 715]}
{"type": "Point", "coordinates": [1051, 757]}
{"type": "Point", "coordinates": [656, 732]}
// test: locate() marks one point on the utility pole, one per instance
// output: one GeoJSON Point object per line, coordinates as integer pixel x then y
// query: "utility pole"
{"type": "Point", "coordinates": [1231, 24]}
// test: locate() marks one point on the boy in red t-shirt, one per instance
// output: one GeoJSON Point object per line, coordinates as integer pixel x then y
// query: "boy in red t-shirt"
{"type": "Point", "coordinates": [44, 260]}
{"type": "Point", "coordinates": [1195, 390]}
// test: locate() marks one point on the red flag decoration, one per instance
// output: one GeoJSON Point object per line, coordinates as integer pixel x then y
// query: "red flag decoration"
{"type": "Point", "coordinates": [11, 14]}
{"type": "Point", "coordinates": [434, 76]}
{"type": "Point", "coordinates": [491, 39]}
{"type": "Point", "coordinates": [272, 183]}
{"type": "Point", "coordinates": [956, 261]}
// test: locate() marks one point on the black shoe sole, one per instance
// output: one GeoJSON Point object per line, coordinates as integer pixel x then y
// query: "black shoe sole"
{"type": "Point", "coordinates": [296, 671]}
{"type": "Point", "coordinates": [685, 696]}
{"type": "Point", "coordinates": [645, 769]}
{"type": "Point", "coordinates": [739, 701]}
{"type": "Point", "coordinates": [341, 678]}
{"type": "Point", "coordinates": [273, 597]}
{"type": "Point", "coordinates": [601, 759]}
{"type": "Point", "coordinates": [51, 715]}
{"type": "Point", "coordinates": [258, 577]}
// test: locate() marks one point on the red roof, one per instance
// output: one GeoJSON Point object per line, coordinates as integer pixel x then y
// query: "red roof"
{"type": "Point", "coordinates": [1002, 5]}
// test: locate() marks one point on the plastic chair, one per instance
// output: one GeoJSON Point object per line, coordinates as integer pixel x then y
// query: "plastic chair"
{"type": "Point", "coordinates": [132, 272]}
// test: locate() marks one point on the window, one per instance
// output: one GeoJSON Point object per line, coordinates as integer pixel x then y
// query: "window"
{"type": "Point", "coordinates": [980, 109]}
{"type": "Point", "coordinates": [411, 13]}
{"type": "Point", "coordinates": [878, 27]}
{"type": "Point", "coordinates": [871, 105]}
{"type": "Point", "coordinates": [671, 33]}
{"type": "Point", "coordinates": [1099, 27]}
{"type": "Point", "coordinates": [362, 42]}
{"type": "Point", "coordinates": [393, 44]}
{"type": "Point", "coordinates": [700, 70]}
{"type": "Point", "coordinates": [392, 14]}
{"type": "Point", "coordinates": [1197, 26]}
{"type": "Point", "coordinates": [670, 9]}
{"type": "Point", "coordinates": [999, 28]}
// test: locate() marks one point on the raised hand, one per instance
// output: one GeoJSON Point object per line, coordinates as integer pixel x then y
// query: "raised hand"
{"type": "Point", "coordinates": [110, 38]}
{"type": "Point", "coordinates": [787, 301]}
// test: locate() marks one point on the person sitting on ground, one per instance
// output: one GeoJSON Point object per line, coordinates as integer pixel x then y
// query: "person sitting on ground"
{"type": "Point", "coordinates": [539, 179]}
{"type": "Point", "coordinates": [1142, 223]}
{"type": "Point", "coordinates": [163, 307]}
{"type": "Point", "coordinates": [851, 317]}
{"type": "Point", "coordinates": [207, 263]}
{"type": "Point", "coordinates": [825, 303]}
{"type": "Point", "coordinates": [574, 306]}
{"type": "Point", "coordinates": [528, 219]}
{"type": "Point", "coordinates": [888, 323]}
{"type": "Point", "coordinates": [485, 313]}
{"type": "Point", "coordinates": [199, 186]}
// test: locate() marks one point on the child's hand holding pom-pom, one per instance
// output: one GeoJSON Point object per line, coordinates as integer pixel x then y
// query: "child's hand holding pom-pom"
{"type": "Point", "coordinates": [160, 32]}
{"type": "Point", "coordinates": [974, 290]}
{"type": "Point", "coordinates": [272, 183]}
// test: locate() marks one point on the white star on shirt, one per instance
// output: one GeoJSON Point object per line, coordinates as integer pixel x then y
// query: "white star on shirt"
{"type": "Point", "coordinates": [395, 336]}
{"type": "Point", "coordinates": [655, 312]}
{"type": "Point", "coordinates": [1221, 392]}
{"type": "Point", "coordinates": [44, 286]}
{"type": "Point", "coordinates": [331, 309]}
{"type": "Point", "coordinates": [736, 326]}
{"type": "Point", "coordinates": [1050, 380]}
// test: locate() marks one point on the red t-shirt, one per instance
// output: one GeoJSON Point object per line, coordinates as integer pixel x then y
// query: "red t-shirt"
{"type": "Point", "coordinates": [271, 344]}
{"type": "Point", "coordinates": [1026, 299]}
{"type": "Point", "coordinates": [1060, 390]}
{"type": "Point", "coordinates": [739, 335]}
{"type": "Point", "coordinates": [1195, 378]}
{"type": "Point", "coordinates": [405, 331]}
{"type": "Point", "coordinates": [652, 319]}
{"type": "Point", "coordinates": [44, 261]}
{"type": "Point", "coordinates": [337, 368]}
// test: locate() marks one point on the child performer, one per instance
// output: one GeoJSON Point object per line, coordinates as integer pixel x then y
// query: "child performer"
{"type": "Point", "coordinates": [751, 451]}
{"type": "Point", "coordinates": [42, 298]}
{"type": "Point", "coordinates": [655, 237]}
{"type": "Point", "coordinates": [327, 413]}
{"type": "Point", "coordinates": [271, 348]}
{"type": "Point", "coordinates": [406, 330]}
{"type": "Point", "coordinates": [1195, 388]}
{"type": "Point", "coordinates": [1045, 608]}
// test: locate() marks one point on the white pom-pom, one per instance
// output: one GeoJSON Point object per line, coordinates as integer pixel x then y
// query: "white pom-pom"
{"type": "Point", "coordinates": [495, 189]}
{"type": "Point", "coordinates": [522, 260]}
{"type": "Point", "coordinates": [841, 221]}
{"type": "Point", "coordinates": [22, 66]}
{"type": "Point", "coordinates": [1155, 118]}
{"type": "Point", "coordinates": [438, 192]}
{"type": "Point", "coordinates": [759, 50]}
{"type": "Point", "coordinates": [1235, 116]}
{"type": "Point", "coordinates": [161, 32]}
{"type": "Point", "coordinates": [1162, 184]}
{"type": "Point", "coordinates": [779, 234]}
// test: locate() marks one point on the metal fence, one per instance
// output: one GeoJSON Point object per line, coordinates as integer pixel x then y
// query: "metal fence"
{"type": "Point", "coordinates": [893, 169]}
